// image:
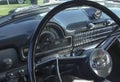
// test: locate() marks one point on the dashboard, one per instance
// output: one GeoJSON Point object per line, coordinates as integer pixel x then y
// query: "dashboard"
{"type": "Point", "coordinates": [70, 30]}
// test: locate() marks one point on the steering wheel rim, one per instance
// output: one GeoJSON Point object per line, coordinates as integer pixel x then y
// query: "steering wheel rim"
{"type": "Point", "coordinates": [53, 12]}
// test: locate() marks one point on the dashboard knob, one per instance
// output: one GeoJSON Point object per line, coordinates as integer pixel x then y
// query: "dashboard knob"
{"type": "Point", "coordinates": [91, 26]}
{"type": "Point", "coordinates": [7, 63]}
{"type": "Point", "coordinates": [10, 76]}
{"type": "Point", "coordinates": [21, 72]}
{"type": "Point", "coordinates": [110, 22]}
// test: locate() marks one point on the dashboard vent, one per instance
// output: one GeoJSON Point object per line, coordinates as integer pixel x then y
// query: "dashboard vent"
{"type": "Point", "coordinates": [91, 37]}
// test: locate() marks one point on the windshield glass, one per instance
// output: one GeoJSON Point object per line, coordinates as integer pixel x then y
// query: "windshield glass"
{"type": "Point", "coordinates": [10, 6]}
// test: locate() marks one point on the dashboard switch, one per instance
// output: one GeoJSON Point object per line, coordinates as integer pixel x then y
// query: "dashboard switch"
{"type": "Point", "coordinates": [21, 72]}
{"type": "Point", "coordinates": [10, 76]}
{"type": "Point", "coordinates": [7, 63]}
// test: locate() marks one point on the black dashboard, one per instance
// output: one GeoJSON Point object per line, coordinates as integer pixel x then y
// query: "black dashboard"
{"type": "Point", "coordinates": [72, 29]}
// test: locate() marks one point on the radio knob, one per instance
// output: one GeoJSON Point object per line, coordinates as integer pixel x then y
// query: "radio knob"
{"type": "Point", "coordinates": [91, 26]}
{"type": "Point", "coordinates": [7, 63]}
{"type": "Point", "coordinates": [10, 76]}
{"type": "Point", "coordinates": [110, 22]}
{"type": "Point", "coordinates": [21, 72]}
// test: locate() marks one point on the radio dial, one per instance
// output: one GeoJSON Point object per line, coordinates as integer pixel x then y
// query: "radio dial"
{"type": "Point", "coordinates": [7, 63]}
{"type": "Point", "coordinates": [91, 26]}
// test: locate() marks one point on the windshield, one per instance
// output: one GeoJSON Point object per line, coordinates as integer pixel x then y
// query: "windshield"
{"type": "Point", "coordinates": [10, 6]}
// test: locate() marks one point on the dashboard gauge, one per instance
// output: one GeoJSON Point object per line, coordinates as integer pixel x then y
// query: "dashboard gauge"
{"type": "Point", "coordinates": [51, 41]}
{"type": "Point", "coordinates": [47, 40]}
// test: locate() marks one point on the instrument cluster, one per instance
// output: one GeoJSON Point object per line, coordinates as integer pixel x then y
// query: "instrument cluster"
{"type": "Point", "coordinates": [51, 40]}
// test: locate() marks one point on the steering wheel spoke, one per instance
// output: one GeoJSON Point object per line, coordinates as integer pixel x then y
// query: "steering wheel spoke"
{"type": "Point", "coordinates": [61, 60]}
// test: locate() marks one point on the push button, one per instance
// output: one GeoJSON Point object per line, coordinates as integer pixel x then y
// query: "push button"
{"type": "Point", "coordinates": [10, 76]}
{"type": "Point", "coordinates": [21, 72]}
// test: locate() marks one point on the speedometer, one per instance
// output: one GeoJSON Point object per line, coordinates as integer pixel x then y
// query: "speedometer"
{"type": "Point", "coordinates": [47, 40]}
{"type": "Point", "coordinates": [52, 40]}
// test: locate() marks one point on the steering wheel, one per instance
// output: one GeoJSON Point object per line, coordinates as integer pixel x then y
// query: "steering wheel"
{"type": "Point", "coordinates": [53, 12]}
